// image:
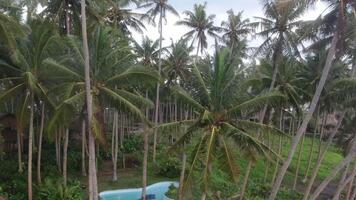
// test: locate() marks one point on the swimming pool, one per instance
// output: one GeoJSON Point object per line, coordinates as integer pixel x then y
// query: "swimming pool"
{"type": "Point", "coordinates": [154, 192]}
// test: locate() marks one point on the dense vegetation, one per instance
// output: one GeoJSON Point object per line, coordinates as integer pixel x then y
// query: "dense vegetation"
{"type": "Point", "coordinates": [84, 107]}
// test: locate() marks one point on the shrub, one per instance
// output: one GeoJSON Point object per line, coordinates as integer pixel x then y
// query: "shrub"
{"type": "Point", "coordinates": [172, 192]}
{"type": "Point", "coordinates": [132, 144]}
{"type": "Point", "coordinates": [168, 165]}
{"type": "Point", "coordinates": [54, 189]}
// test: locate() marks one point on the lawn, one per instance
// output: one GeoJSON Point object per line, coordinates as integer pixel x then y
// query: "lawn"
{"type": "Point", "coordinates": [132, 178]}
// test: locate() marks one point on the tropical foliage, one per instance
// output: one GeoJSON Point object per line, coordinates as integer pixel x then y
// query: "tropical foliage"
{"type": "Point", "coordinates": [81, 93]}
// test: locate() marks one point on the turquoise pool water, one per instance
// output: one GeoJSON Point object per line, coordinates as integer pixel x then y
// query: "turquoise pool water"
{"type": "Point", "coordinates": [154, 192]}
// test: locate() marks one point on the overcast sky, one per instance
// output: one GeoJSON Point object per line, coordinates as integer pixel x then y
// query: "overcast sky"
{"type": "Point", "coordinates": [250, 9]}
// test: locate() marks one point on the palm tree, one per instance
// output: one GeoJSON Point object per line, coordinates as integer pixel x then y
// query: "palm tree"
{"type": "Point", "coordinates": [158, 8]}
{"type": "Point", "coordinates": [235, 29]}
{"type": "Point", "coordinates": [27, 73]}
{"type": "Point", "coordinates": [219, 105]}
{"type": "Point", "coordinates": [111, 68]}
{"type": "Point", "coordinates": [178, 62]}
{"type": "Point", "coordinates": [10, 30]}
{"type": "Point", "coordinates": [93, 184]}
{"type": "Point", "coordinates": [201, 25]}
{"type": "Point", "coordinates": [340, 7]}
{"type": "Point", "coordinates": [118, 14]}
{"type": "Point", "coordinates": [279, 30]}
{"type": "Point", "coordinates": [147, 53]}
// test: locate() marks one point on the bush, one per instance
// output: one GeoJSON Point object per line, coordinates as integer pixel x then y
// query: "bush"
{"type": "Point", "coordinates": [13, 184]}
{"type": "Point", "coordinates": [168, 165]}
{"type": "Point", "coordinates": [54, 189]}
{"type": "Point", "coordinates": [172, 192]}
{"type": "Point", "coordinates": [259, 191]}
{"type": "Point", "coordinates": [132, 144]}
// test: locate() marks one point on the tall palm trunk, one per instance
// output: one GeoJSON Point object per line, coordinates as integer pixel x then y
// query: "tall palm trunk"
{"type": "Point", "coordinates": [30, 137]}
{"type": "Point", "coordinates": [19, 151]}
{"type": "Point", "coordinates": [281, 127]}
{"type": "Point", "coordinates": [145, 156]}
{"type": "Point", "coordinates": [321, 158]}
{"type": "Point", "coordinates": [65, 157]}
{"type": "Point", "coordinates": [58, 138]}
{"type": "Point", "coordinates": [93, 187]}
{"type": "Point", "coordinates": [184, 162]}
{"type": "Point", "coordinates": [310, 156]}
{"type": "Point", "coordinates": [40, 144]}
{"type": "Point", "coordinates": [115, 145]}
{"type": "Point", "coordinates": [84, 173]}
{"type": "Point", "coordinates": [303, 126]}
{"type": "Point", "coordinates": [160, 27]}
{"type": "Point", "coordinates": [276, 61]}
{"type": "Point", "coordinates": [181, 178]}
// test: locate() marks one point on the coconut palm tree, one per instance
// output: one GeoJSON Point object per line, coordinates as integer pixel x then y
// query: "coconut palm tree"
{"type": "Point", "coordinates": [118, 14]}
{"type": "Point", "coordinates": [279, 30]}
{"type": "Point", "coordinates": [200, 25]}
{"type": "Point", "coordinates": [158, 8]}
{"type": "Point", "coordinates": [111, 67]}
{"type": "Point", "coordinates": [147, 54]}
{"type": "Point", "coordinates": [235, 29]}
{"type": "Point", "coordinates": [176, 66]}
{"type": "Point", "coordinates": [147, 51]}
{"type": "Point", "coordinates": [219, 105]}
{"type": "Point", "coordinates": [28, 75]}
{"type": "Point", "coordinates": [338, 27]}
{"type": "Point", "coordinates": [92, 180]}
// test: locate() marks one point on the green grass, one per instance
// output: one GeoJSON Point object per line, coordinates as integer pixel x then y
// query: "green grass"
{"type": "Point", "coordinates": [129, 178]}
{"type": "Point", "coordinates": [132, 178]}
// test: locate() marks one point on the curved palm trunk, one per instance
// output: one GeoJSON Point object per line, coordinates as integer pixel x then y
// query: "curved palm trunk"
{"type": "Point", "coordinates": [308, 116]}
{"type": "Point", "coordinates": [93, 187]}
{"type": "Point", "coordinates": [343, 181]}
{"type": "Point", "coordinates": [353, 196]}
{"type": "Point", "coordinates": [40, 144]}
{"type": "Point", "coordinates": [298, 164]}
{"type": "Point", "coordinates": [65, 157]}
{"type": "Point", "coordinates": [247, 176]}
{"type": "Point", "coordinates": [349, 189]}
{"type": "Point", "coordinates": [158, 84]}
{"type": "Point", "coordinates": [30, 137]}
{"type": "Point", "coordinates": [321, 158]}
{"type": "Point", "coordinates": [351, 156]}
